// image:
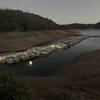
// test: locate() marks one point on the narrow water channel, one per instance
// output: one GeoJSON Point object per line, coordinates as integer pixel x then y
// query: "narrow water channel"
{"type": "Point", "coordinates": [50, 64]}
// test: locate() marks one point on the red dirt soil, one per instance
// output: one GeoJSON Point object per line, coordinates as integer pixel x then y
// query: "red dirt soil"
{"type": "Point", "coordinates": [16, 41]}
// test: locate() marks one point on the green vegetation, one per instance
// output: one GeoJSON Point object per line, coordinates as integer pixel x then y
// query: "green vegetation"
{"type": "Point", "coordinates": [12, 89]}
{"type": "Point", "coordinates": [17, 20]}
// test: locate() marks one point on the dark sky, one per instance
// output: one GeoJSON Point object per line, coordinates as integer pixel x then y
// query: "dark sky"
{"type": "Point", "coordinates": [61, 11]}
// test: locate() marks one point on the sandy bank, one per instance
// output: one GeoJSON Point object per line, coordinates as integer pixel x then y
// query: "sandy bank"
{"type": "Point", "coordinates": [85, 64]}
{"type": "Point", "coordinates": [16, 41]}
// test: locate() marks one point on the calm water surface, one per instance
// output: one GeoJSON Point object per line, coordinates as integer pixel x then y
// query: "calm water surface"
{"type": "Point", "coordinates": [49, 65]}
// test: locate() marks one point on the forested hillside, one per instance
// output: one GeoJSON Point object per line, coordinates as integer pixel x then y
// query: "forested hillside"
{"type": "Point", "coordinates": [81, 26]}
{"type": "Point", "coordinates": [17, 20]}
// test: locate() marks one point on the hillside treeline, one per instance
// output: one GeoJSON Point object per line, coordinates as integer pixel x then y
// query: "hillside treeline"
{"type": "Point", "coordinates": [17, 20]}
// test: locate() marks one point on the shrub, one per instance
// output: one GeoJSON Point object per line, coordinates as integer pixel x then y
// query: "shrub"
{"type": "Point", "coordinates": [12, 89]}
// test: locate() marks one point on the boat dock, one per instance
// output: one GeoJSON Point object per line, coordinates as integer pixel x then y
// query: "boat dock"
{"type": "Point", "coordinates": [34, 52]}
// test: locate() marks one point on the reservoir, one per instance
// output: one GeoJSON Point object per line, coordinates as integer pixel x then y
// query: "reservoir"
{"type": "Point", "coordinates": [50, 64]}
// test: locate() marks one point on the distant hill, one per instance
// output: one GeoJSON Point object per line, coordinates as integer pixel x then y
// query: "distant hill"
{"type": "Point", "coordinates": [17, 20]}
{"type": "Point", "coordinates": [97, 25]}
{"type": "Point", "coordinates": [81, 26]}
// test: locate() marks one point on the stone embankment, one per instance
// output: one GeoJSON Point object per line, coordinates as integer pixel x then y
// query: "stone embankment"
{"type": "Point", "coordinates": [34, 52]}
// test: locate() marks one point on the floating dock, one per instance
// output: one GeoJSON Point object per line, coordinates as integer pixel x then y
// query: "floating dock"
{"type": "Point", "coordinates": [42, 50]}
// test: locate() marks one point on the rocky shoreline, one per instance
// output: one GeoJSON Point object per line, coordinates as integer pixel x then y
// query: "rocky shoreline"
{"type": "Point", "coordinates": [40, 51]}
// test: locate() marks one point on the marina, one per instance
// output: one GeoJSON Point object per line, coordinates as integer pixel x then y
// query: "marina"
{"type": "Point", "coordinates": [34, 52]}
